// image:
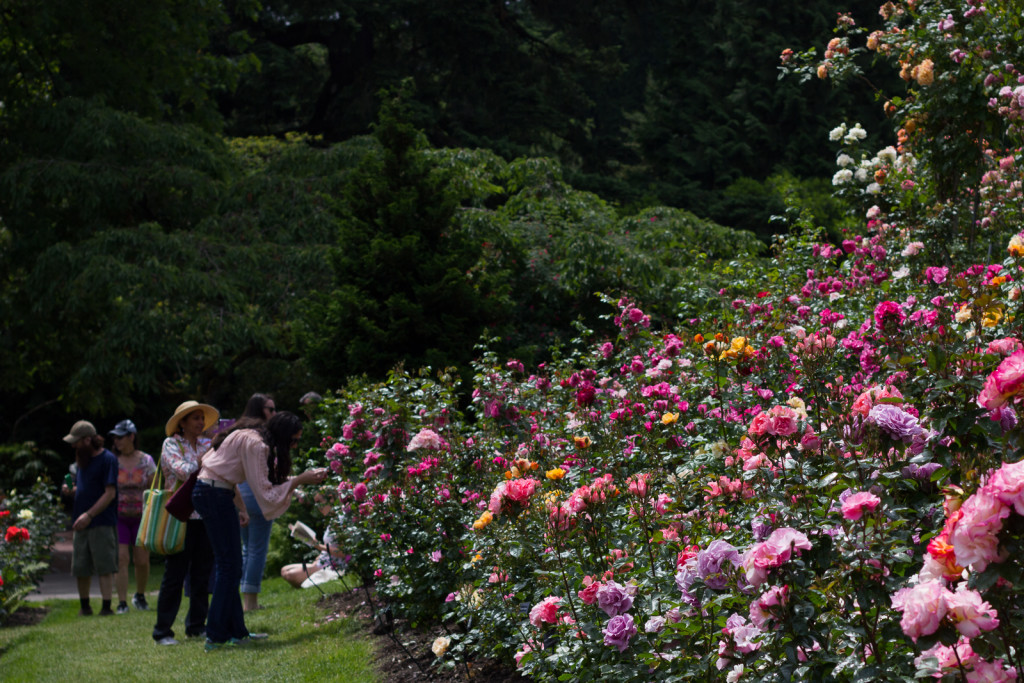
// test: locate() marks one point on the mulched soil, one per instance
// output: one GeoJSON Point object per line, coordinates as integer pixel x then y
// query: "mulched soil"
{"type": "Point", "coordinates": [25, 616]}
{"type": "Point", "coordinates": [403, 655]}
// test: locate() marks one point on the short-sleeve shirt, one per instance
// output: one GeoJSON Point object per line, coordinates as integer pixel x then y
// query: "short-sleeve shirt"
{"type": "Point", "coordinates": [131, 482]}
{"type": "Point", "coordinates": [92, 481]}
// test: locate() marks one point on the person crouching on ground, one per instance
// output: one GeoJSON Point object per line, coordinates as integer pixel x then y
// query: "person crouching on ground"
{"type": "Point", "coordinates": [94, 549]}
{"type": "Point", "coordinates": [260, 456]}
{"type": "Point", "coordinates": [183, 448]}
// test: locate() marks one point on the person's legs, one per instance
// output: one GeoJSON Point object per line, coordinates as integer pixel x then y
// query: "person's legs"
{"type": "Point", "coordinates": [295, 574]}
{"type": "Point", "coordinates": [169, 599]}
{"type": "Point", "coordinates": [199, 578]}
{"type": "Point", "coordinates": [141, 571]}
{"type": "Point", "coordinates": [255, 541]}
{"type": "Point", "coordinates": [122, 574]}
{"type": "Point", "coordinates": [104, 544]}
{"type": "Point", "coordinates": [217, 509]}
{"type": "Point", "coordinates": [82, 569]}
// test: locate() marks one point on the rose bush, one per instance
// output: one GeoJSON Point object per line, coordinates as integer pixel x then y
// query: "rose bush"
{"type": "Point", "coordinates": [812, 472]}
{"type": "Point", "coordinates": [28, 521]}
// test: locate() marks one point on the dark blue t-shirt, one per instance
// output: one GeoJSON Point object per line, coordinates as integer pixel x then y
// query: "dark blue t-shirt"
{"type": "Point", "coordinates": [92, 482]}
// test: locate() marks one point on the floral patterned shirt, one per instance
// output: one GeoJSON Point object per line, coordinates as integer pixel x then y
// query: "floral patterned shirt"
{"type": "Point", "coordinates": [179, 460]}
{"type": "Point", "coordinates": [131, 482]}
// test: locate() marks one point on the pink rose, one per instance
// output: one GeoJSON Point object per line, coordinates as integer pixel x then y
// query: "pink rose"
{"type": "Point", "coordinates": [589, 594]}
{"type": "Point", "coordinates": [857, 504]}
{"type": "Point", "coordinates": [545, 611]}
{"type": "Point", "coordinates": [1004, 383]}
{"type": "Point", "coordinates": [924, 606]}
{"type": "Point", "coordinates": [760, 424]}
{"type": "Point", "coordinates": [970, 613]}
{"type": "Point", "coordinates": [1007, 484]}
{"type": "Point", "coordinates": [974, 535]}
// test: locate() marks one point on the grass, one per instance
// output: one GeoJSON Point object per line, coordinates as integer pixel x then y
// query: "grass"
{"type": "Point", "coordinates": [301, 647]}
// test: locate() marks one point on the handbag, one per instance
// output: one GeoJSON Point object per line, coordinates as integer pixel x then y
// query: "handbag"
{"type": "Point", "coordinates": [159, 532]}
{"type": "Point", "coordinates": [180, 502]}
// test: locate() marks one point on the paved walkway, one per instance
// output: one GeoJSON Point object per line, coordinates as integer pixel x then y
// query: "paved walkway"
{"type": "Point", "coordinates": [58, 583]}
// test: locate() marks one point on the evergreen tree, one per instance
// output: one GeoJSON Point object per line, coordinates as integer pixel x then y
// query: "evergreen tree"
{"type": "Point", "coordinates": [402, 291]}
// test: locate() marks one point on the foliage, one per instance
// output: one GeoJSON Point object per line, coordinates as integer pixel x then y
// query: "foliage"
{"type": "Point", "coordinates": [29, 518]}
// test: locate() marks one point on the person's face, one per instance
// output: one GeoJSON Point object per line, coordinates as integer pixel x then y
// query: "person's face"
{"type": "Point", "coordinates": [269, 408]}
{"type": "Point", "coordinates": [83, 445]}
{"type": "Point", "coordinates": [295, 438]}
{"type": "Point", "coordinates": [193, 423]}
{"type": "Point", "coordinates": [126, 443]}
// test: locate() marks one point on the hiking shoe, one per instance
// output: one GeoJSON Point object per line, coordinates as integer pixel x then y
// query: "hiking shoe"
{"type": "Point", "coordinates": [167, 640]}
{"type": "Point", "coordinates": [122, 608]}
{"type": "Point", "coordinates": [106, 611]}
{"type": "Point", "coordinates": [85, 612]}
{"type": "Point", "coordinates": [139, 601]}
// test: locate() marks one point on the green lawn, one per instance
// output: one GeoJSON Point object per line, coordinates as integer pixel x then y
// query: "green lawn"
{"type": "Point", "coordinates": [66, 647]}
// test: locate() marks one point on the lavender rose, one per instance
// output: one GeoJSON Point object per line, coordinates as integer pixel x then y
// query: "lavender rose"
{"type": "Point", "coordinates": [710, 562]}
{"type": "Point", "coordinates": [618, 631]}
{"type": "Point", "coordinates": [615, 599]}
{"type": "Point", "coordinates": [896, 422]}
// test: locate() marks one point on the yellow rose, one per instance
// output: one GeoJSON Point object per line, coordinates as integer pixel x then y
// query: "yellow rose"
{"type": "Point", "coordinates": [481, 522]}
{"type": "Point", "coordinates": [582, 441]}
{"type": "Point", "coordinates": [555, 474]}
{"type": "Point", "coordinates": [669, 418]}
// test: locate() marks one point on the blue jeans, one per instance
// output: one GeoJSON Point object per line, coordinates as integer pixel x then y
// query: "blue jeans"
{"type": "Point", "coordinates": [255, 540]}
{"type": "Point", "coordinates": [217, 508]}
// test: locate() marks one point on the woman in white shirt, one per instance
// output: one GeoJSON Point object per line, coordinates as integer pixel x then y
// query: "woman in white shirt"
{"type": "Point", "coordinates": [260, 456]}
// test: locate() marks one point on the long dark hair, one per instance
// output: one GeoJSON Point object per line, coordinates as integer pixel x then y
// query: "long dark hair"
{"type": "Point", "coordinates": [240, 423]}
{"type": "Point", "coordinates": [277, 433]}
{"type": "Point", "coordinates": [254, 408]}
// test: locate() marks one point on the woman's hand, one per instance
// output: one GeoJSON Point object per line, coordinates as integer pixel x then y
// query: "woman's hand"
{"type": "Point", "coordinates": [243, 517]}
{"type": "Point", "coordinates": [317, 475]}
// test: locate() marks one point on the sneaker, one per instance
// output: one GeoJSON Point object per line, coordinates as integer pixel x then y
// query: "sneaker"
{"type": "Point", "coordinates": [211, 646]}
{"type": "Point", "coordinates": [139, 601]}
{"type": "Point", "coordinates": [167, 640]}
{"type": "Point", "coordinates": [201, 633]}
{"type": "Point", "coordinates": [122, 608]}
{"type": "Point", "coordinates": [85, 612]}
{"type": "Point", "coordinates": [106, 612]}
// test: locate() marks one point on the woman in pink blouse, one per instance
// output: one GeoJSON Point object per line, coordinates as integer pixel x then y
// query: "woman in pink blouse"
{"type": "Point", "coordinates": [261, 457]}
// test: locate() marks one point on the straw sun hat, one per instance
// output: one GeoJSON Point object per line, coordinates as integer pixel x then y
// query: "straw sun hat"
{"type": "Point", "coordinates": [210, 414]}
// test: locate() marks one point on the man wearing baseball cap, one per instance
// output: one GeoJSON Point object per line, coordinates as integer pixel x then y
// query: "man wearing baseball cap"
{"type": "Point", "coordinates": [94, 549]}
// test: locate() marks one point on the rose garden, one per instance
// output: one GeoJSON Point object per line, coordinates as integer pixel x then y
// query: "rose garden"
{"type": "Point", "coordinates": [812, 473]}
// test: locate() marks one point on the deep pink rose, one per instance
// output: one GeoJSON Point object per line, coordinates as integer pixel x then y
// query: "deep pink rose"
{"type": "Point", "coordinates": [1004, 383]}
{"type": "Point", "coordinates": [545, 611]}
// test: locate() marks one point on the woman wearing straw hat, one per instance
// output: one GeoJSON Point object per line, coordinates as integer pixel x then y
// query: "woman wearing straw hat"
{"type": "Point", "coordinates": [182, 451]}
{"type": "Point", "coordinates": [260, 456]}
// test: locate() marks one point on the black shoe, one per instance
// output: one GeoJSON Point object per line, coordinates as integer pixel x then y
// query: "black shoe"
{"type": "Point", "coordinates": [139, 601]}
{"type": "Point", "coordinates": [122, 608]}
{"type": "Point", "coordinates": [198, 634]}
{"type": "Point", "coordinates": [106, 612]}
{"type": "Point", "coordinates": [85, 612]}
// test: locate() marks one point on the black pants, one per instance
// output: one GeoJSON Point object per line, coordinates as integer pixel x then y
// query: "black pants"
{"type": "Point", "coordinates": [196, 562]}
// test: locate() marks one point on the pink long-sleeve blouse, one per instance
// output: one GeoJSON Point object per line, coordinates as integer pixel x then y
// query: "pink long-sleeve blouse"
{"type": "Point", "coordinates": [243, 457]}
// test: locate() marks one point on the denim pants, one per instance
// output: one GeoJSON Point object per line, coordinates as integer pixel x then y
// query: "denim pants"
{"type": "Point", "coordinates": [217, 508]}
{"type": "Point", "coordinates": [255, 540]}
{"type": "Point", "coordinates": [194, 561]}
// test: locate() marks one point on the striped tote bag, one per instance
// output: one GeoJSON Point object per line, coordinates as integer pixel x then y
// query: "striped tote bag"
{"type": "Point", "coordinates": [159, 531]}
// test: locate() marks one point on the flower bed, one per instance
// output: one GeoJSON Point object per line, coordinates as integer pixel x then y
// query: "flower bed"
{"type": "Point", "coordinates": [812, 474]}
{"type": "Point", "coordinates": [29, 519]}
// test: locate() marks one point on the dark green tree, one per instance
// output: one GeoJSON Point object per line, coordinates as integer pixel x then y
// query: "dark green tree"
{"type": "Point", "coordinates": [401, 266]}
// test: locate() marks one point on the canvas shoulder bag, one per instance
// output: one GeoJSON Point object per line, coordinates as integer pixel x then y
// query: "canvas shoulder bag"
{"type": "Point", "coordinates": [159, 531]}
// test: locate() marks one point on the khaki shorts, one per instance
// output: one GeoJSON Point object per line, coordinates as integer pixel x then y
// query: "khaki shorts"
{"type": "Point", "coordinates": [94, 552]}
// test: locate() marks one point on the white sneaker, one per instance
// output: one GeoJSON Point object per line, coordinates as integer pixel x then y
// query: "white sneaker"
{"type": "Point", "coordinates": [167, 641]}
